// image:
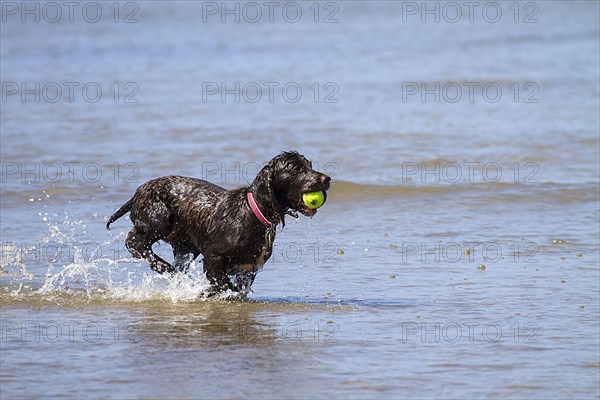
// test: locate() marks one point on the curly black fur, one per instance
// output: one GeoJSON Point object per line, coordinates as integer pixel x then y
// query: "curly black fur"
{"type": "Point", "coordinates": [195, 216]}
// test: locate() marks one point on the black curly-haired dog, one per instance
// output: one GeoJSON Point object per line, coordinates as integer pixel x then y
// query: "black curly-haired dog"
{"type": "Point", "coordinates": [233, 229]}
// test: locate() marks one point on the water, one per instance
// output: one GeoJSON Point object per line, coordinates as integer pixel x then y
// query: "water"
{"type": "Point", "coordinates": [381, 294]}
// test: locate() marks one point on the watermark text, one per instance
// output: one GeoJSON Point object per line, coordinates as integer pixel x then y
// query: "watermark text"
{"type": "Point", "coordinates": [470, 92]}
{"type": "Point", "coordinates": [453, 12]}
{"type": "Point", "coordinates": [69, 92]}
{"type": "Point", "coordinates": [68, 172]}
{"type": "Point", "coordinates": [253, 12]}
{"type": "Point", "coordinates": [468, 332]}
{"type": "Point", "coordinates": [454, 252]}
{"type": "Point", "coordinates": [270, 92]}
{"type": "Point", "coordinates": [53, 12]}
{"type": "Point", "coordinates": [469, 171]}
{"type": "Point", "coordinates": [70, 332]}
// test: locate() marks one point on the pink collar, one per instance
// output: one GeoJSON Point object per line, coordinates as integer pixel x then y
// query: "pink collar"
{"type": "Point", "coordinates": [257, 212]}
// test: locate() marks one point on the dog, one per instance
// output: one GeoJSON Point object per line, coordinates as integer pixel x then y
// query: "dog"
{"type": "Point", "coordinates": [233, 229]}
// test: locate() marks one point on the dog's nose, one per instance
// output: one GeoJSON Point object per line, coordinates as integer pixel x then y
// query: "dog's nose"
{"type": "Point", "coordinates": [325, 181]}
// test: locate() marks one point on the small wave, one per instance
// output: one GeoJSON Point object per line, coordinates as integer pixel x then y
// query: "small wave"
{"type": "Point", "coordinates": [343, 191]}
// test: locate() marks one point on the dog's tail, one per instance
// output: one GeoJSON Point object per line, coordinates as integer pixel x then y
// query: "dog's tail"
{"type": "Point", "coordinates": [125, 208]}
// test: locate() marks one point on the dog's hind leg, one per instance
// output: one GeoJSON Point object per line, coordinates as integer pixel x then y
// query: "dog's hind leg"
{"type": "Point", "coordinates": [152, 222]}
{"type": "Point", "coordinates": [139, 243]}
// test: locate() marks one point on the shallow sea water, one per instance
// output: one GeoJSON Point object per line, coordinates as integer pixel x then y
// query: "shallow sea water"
{"type": "Point", "coordinates": [457, 255]}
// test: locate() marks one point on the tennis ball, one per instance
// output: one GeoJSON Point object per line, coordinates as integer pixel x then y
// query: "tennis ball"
{"type": "Point", "coordinates": [314, 199]}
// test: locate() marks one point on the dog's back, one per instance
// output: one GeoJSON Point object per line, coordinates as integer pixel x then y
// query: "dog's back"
{"type": "Point", "coordinates": [189, 195]}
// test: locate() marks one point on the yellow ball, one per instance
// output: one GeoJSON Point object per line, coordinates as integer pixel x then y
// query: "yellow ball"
{"type": "Point", "coordinates": [314, 199]}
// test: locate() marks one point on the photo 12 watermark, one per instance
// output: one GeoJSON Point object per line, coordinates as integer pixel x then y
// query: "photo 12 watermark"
{"type": "Point", "coordinates": [70, 172]}
{"type": "Point", "coordinates": [469, 332]}
{"type": "Point", "coordinates": [253, 12]}
{"type": "Point", "coordinates": [54, 12]}
{"type": "Point", "coordinates": [303, 253]}
{"type": "Point", "coordinates": [52, 332]}
{"type": "Point", "coordinates": [441, 252]}
{"type": "Point", "coordinates": [452, 12]}
{"type": "Point", "coordinates": [451, 172]}
{"type": "Point", "coordinates": [69, 92]}
{"type": "Point", "coordinates": [245, 173]}
{"type": "Point", "coordinates": [66, 332]}
{"type": "Point", "coordinates": [54, 253]}
{"type": "Point", "coordinates": [270, 92]}
{"type": "Point", "coordinates": [296, 332]}
{"type": "Point", "coordinates": [470, 92]}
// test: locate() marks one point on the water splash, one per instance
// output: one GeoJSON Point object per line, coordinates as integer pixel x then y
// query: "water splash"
{"type": "Point", "coordinates": [77, 269]}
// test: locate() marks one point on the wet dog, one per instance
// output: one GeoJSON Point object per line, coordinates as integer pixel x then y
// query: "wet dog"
{"type": "Point", "coordinates": [233, 229]}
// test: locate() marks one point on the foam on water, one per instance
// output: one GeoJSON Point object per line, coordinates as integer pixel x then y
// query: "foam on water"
{"type": "Point", "coordinates": [88, 275]}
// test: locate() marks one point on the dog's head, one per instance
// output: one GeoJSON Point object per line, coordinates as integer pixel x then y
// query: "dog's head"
{"type": "Point", "coordinates": [291, 175]}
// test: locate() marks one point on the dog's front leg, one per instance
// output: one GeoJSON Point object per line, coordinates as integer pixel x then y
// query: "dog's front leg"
{"type": "Point", "coordinates": [243, 281]}
{"type": "Point", "coordinates": [215, 271]}
{"type": "Point", "coordinates": [183, 260]}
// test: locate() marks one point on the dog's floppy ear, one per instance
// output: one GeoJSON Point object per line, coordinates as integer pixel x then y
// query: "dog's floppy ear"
{"type": "Point", "coordinates": [264, 187]}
